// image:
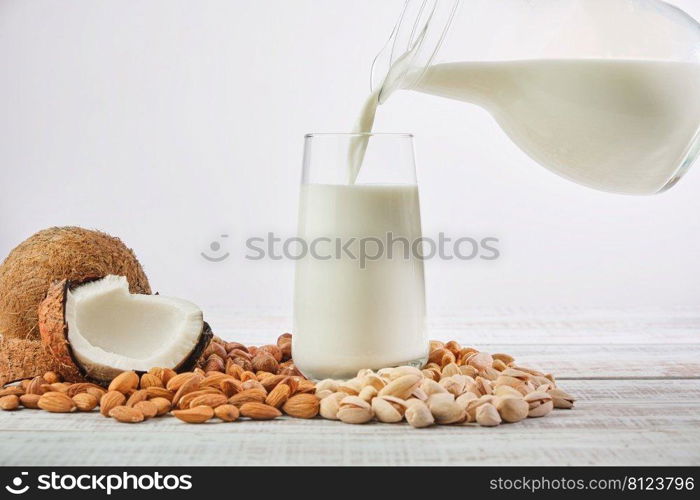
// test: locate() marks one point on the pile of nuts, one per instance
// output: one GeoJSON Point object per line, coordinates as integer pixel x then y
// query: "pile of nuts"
{"type": "Point", "coordinates": [457, 385]}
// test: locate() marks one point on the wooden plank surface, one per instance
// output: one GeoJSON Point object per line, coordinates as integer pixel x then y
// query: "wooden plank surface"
{"type": "Point", "coordinates": [636, 375]}
{"type": "Point", "coordinates": [614, 422]}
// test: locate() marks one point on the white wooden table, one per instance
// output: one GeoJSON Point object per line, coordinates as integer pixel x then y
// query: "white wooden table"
{"type": "Point", "coordinates": [636, 374]}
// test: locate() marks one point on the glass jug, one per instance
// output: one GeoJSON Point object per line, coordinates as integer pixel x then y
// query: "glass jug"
{"type": "Point", "coordinates": [605, 93]}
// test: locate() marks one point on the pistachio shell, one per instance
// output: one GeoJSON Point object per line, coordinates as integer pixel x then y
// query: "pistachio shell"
{"type": "Point", "coordinates": [512, 409]}
{"type": "Point", "coordinates": [402, 387]}
{"type": "Point", "coordinates": [464, 399]}
{"type": "Point", "coordinates": [354, 415]}
{"type": "Point", "coordinates": [487, 415]}
{"type": "Point", "coordinates": [431, 387]}
{"type": "Point", "coordinates": [541, 410]}
{"type": "Point", "coordinates": [419, 415]}
{"type": "Point", "coordinates": [405, 370]}
{"type": "Point", "coordinates": [449, 370]}
{"type": "Point", "coordinates": [561, 399]}
{"type": "Point", "coordinates": [446, 411]}
{"type": "Point", "coordinates": [367, 393]}
{"type": "Point", "coordinates": [327, 385]}
{"type": "Point", "coordinates": [331, 404]}
{"type": "Point", "coordinates": [385, 411]}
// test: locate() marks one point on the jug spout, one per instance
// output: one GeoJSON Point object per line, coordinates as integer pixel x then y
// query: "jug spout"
{"type": "Point", "coordinates": [412, 45]}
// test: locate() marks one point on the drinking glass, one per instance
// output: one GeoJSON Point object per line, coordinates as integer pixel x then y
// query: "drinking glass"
{"type": "Point", "coordinates": [359, 299]}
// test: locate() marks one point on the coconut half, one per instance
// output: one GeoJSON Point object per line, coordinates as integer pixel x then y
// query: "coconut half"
{"type": "Point", "coordinates": [100, 329]}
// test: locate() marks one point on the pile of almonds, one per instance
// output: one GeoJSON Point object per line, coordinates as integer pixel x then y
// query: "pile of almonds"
{"type": "Point", "coordinates": [457, 385]}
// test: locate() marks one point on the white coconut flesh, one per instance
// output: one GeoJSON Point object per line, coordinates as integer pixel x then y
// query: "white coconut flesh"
{"type": "Point", "coordinates": [111, 330]}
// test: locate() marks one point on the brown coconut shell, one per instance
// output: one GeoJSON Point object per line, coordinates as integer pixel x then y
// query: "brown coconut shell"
{"type": "Point", "coordinates": [24, 359]}
{"type": "Point", "coordinates": [58, 253]}
{"type": "Point", "coordinates": [54, 336]}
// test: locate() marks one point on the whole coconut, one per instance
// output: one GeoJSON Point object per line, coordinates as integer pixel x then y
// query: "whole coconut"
{"type": "Point", "coordinates": [58, 253]}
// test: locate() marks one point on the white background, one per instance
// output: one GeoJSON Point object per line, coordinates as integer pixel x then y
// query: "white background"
{"type": "Point", "coordinates": [168, 123]}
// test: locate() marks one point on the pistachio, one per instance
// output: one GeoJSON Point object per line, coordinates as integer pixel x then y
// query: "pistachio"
{"type": "Point", "coordinates": [445, 409]}
{"type": "Point", "coordinates": [354, 410]}
{"type": "Point", "coordinates": [512, 409]}
{"type": "Point", "coordinates": [400, 371]}
{"type": "Point", "coordinates": [464, 399]}
{"type": "Point", "coordinates": [373, 380]}
{"type": "Point", "coordinates": [561, 399]}
{"type": "Point", "coordinates": [323, 394]}
{"type": "Point", "coordinates": [401, 387]}
{"type": "Point", "coordinates": [487, 415]}
{"type": "Point", "coordinates": [481, 361]}
{"type": "Point", "coordinates": [499, 365]}
{"type": "Point", "coordinates": [385, 411]}
{"type": "Point", "coordinates": [431, 387]}
{"type": "Point", "coordinates": [483, 386]}
{"type": "Point", "coordinates": [449, 370]}
{"type": "Point", "coordinates": [368, 392]}
{"type": "Point", "coordinates": [506, 390]}
{"type": "Point", "coordinates": [418, 414]}
{"type": "Point", "coordinates": [331, 404]}
{"type": "Point", "coordinates": [474, 404]}
{"type": "Point", "coordinates": [540, 404]}
{"type": "Point", "coordinates": [468, 370]}
{"type": "Point", "coordinates": [327, 384]}
{"type": "Point", "coordinates": [454, 385]}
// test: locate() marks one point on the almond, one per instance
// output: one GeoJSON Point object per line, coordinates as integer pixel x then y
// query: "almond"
{"type": "Point", "coordinates": [111, 400]}
{"type": "Point", "coordinates": [148, 408]}
{"type": "Point", "coordinates": [124, 382]}
{"type": "Point", "coordinates": [98, 392]}
{"type": "Point", "coordinates": [30, 400]}
{"type": "Point", "coordinates": [249, 396]}
{"type": "Point", "coordinates": [126, 414]}
{"type": "Point", "coordinates": [10, 402]}
{"type": "Point", "coordinates": [159, 392]}
{"type": "Point", "coordinates": [272, 381]}
{"type": "Point", "coordinates": [196, 415]}
{"type": "Point", "coordinates": [259, 411]}
{"type": "Point", "coordinates": [56, 402]}
{"type": "Point", "coordinates": [264, 362]}
{"type": "Point", "coordinates": [302, 406]}
{"type": "Point", "coordinates": [189, 385]}
{"type": "Point", "coordinates": [36, 386]}
{"type": "Point", "coordinates": [74, 389]}
{"type": "Point", "coordinates": [273, 351]}
{"type": "Point", "coordinates": [185, 400]}
{"type": "Point", "coordinates": [11, 391]}
{"type": "Point", "coordinates": [227, 413]}
{"type": "Point", "coordinates": [176, 382]}
{"type": "Point", "coordinates": [137, 397]}
{"type": "Point", "coordinates": [214, 379]}
{"type": "Point", "coordinates": [306, 386]}
{"type": "Point", "coordinates": [231, 386]}
{"type": "Point", "coordinates": [278, 396]}
{"type": "Point", "coordinates": [162, 404]}
{"type": "Point", "coordinates": [59, 387]}
{"type": "Point", "coordinates": [150, 380]}
{"type": "Point", "coordinates": [51, 377]}
{"type": "Point", "coordinates": [85, 401]}
{"type": "Point", "coordinates": [211, 400]}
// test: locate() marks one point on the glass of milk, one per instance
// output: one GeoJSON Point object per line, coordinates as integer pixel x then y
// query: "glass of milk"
{"type": "Point", "coordinates": [359, 299]}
